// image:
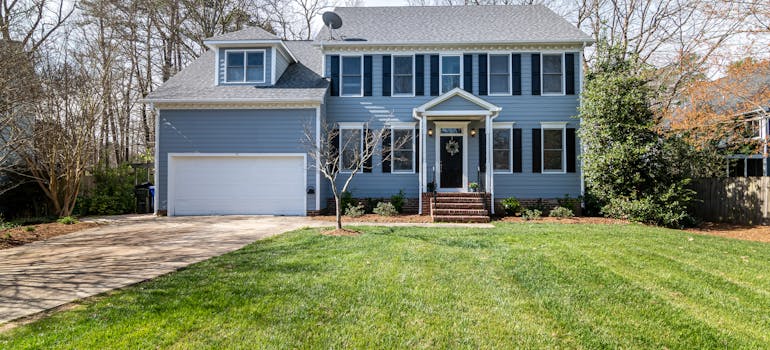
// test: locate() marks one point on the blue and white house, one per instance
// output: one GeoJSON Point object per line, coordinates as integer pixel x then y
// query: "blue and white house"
{"type": "Point", "coordinates": [483, 94]}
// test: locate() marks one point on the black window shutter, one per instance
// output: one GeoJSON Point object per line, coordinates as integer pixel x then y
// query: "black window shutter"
{"type": "Point", "coordinates": [334, 148]}
{"type": "Point", "coordinates": [386, 75]}
{"type": "Point", "coordinates": [419, 75]}
{"type": "Point", "coordinates": [483, 74]}
{"type": "Point", "coordinates": [468, 73]}
{"type": "Point", "coordinates": [536, 74]}
{"type": "Point", "coordinates": [367, 75]}
{"type": "Point", "coordinates": [367, 141]}
{"type": "Point", "coordinates": [482, 150]}
{"type": "Point", "coordinates": [434, 76]}
{"type": "Point", "coordinates": [417, 150]}
{"type": "Point", "coordinates": [536, 152]}
{"type": "Point", "coordinates": [571, 151]}
{"type": "Point", "coordinates": [517, 150]}
{"type": "Point", "coordinates": [569, 74]}
{"type": "Point", "coordinates": [334, 62]}
{"type": "Point", "coordinates": [516, 73]}
{"type": "Point", "coordinates": [386, 153]}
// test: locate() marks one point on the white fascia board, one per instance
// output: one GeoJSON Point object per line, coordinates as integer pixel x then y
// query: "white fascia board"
{"type": "Point", "coordinates": [332, 43]}
{"type": "Point", "coordinates": [232, 100]}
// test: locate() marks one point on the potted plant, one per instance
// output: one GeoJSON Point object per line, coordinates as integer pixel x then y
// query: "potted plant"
{"type": "Point", "coordinates": [474, 186]}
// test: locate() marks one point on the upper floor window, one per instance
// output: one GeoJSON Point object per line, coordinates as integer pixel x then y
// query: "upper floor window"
{"type": "Point", "coordinates": [553, 147]}
{"type": "Point", "coordinates": [403, 75]}
{"type": "Point", "coordinates": [754, 128]}
{"type": "Point", "coordinates": [499, 74]}
{"type": "Point", "coordinates": [245, 66]}
{"type": "Point", "coordinates": [553, 74]}
{"type": "Point", "coordinates": [502, 159]}
{"type": "Point", "coordinates": [352, 76]}
{"type": "Point", "coordinates": [451, 68]}
{"type": "Point", "coordinates": [351, 146]}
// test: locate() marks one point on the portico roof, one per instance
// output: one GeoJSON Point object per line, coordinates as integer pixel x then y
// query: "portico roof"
{"type": "Point", "coordinates": [457, 103]}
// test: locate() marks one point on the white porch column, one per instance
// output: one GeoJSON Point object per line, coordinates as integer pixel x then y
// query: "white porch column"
{"type": "Point", "coordinates": [423, 166]}
{"type": "Point", "coordinates": [489, 170]}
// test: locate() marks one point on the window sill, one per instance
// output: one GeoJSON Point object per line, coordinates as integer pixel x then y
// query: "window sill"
{"type": "Point", "coordinates": [401, 95]}
{"type": "Point", "coordinates": [552, 94]}
{"type": "Point", "coordinates": [503, 172]}
{"type": "Point", "coordinates": [553, 171]}
{"type": "Point", "coordinates": [402, 172]}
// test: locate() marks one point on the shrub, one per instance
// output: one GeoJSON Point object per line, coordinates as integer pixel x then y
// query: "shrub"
{"type": "Point", "coordinates": [511, 206]}
{"type": "Point", "coordinates": [385, 209]}
{"type": "Point", "coordinates": [370, 204]}
{"type": "Point", "coordinates": [670, 209]}
{"type": "Point", "coordinates": [346, 200]}
{"type": "Point", "coordinates": [561, 212]}
{"type": "Point", "coordinates": [531, 214]}
{"type": "Point", "coordinates": [67, 220]}
{"type": "Point", "coordinates": [113, 192]}
{"type": "Point", "coordinates": [5, 225]}
{"type": "Point", "coordinates": [569, 202]}
{"type": "Point", "coordinates": [398, 201]}
{"type": "Point", "coordinates": [354, 211]}
{"type": "Point", "coordinates": [30, 228]}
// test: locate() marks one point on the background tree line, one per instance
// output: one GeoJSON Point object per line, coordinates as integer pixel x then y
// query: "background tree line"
{"type": "Point", "coordinates": [74, 72]}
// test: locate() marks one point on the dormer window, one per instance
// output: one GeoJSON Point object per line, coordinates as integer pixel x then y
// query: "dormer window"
{"type": "Point", "coordinates": [245, 66]}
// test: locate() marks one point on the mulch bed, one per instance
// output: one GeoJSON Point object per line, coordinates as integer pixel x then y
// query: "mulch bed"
{"type": "Point", "coordinates": [749, 233]}
{"type": "Point", "coordinates": [19, 235]}
{"type": "Point", "coordinates": [575, 220]}
{"type": "Point", "coordinates": [378, 218]}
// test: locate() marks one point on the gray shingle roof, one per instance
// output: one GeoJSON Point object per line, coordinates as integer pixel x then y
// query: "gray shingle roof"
{"type": "Point", "coordinates": [457, 24]}
{"type": "Point", "coordinates": [248, 33]}
{"type": "Point", "coordinates": [300, 81]}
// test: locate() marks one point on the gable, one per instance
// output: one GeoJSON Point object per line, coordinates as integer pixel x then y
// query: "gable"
{"type": "Point", "coordinates": [457, 103]}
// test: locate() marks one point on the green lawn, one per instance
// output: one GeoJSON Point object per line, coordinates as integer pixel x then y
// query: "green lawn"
{"type": "Point", "coordinates": [518, 285]}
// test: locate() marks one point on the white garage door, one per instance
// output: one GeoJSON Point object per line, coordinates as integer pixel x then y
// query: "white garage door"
{"type": "Point", "coordinates": [230, 185]}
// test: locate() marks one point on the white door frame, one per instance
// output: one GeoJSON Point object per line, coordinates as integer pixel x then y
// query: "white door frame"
{"type": "Point", "coordinates": [463, 126]}
{"type": "Point", "coordinates": [171, 171]}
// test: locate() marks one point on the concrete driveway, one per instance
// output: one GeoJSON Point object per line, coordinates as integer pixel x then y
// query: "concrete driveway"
{"type": "Point", "coordinates": [43, 275]}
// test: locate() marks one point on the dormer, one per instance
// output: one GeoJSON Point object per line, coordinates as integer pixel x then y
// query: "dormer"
{"type": "Point", "coordinates": [251, 56]}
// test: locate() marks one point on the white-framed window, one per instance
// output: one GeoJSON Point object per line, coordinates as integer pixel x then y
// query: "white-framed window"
{"type": "Point", "coordinates": [451, 72]}
{"type": "Point", "coordinates": [402, 141]}
{"type": "Point", "coordinates": [502, 151]}
{"type": "Point", "coordinates": [403, 75]}
{"type": "Point", "coordinates": [245, 66]}
{"type": "Point", "coordinates": [552, 73]}
{"type": "Point", "coordinates": [554, 152]}
{"type": "Point", "coordinates": [754, 128]}
{"type": "Point", "coordinates": [351, 145]}
{"type": "Point", "coordinates": [352, 76]}
{"type": "Point", "coordinates": [499, 74]}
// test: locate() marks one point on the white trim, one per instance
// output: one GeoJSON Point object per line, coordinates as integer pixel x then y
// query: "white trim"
{"type": "Point", "coordinates": [441, 71]}
{"type": "Point", "coordinates": [273, 43]}
{"type": "Point", "coordinates": [349, 126]}
{"type": "Point", "coordinates": [509, 127]}
{"type": "Point", "coordinates": [490, 108]}
{"type": "Point", "coordinates": [246, 65]}
{"type": "Point", "coordinates": [402, 126]}
{"type": "Point", "coordinates": [216, 71]}
{"type": "Point", "coordinates": [457, 113]}
{"type": "Point", "coordinates": [393, 76]}
{"type": "Point", "coordinates": [156, 177]}
{"type": "Point", "coordinates": [318, 158]}
{"type": "Point", "coordinates": [475, 44]}
{"type": "Point", "coordinates": [423, 178]}
{"type": "Point", "coordinates": [553, 126]}
{"type": "Point", "coordinates": [489, 75]}
{"type": "Point", "coordinates": [489, 174]}
{"type": "Point", "coordinates": [273, 68]}
{"type": "Point", "coordinates": [342, 76]}
{"type": "Point", "coordinates": [464, 134]}
{"type": "Point", "coordinates": [171, 172]}
{"type": "Point", "coordinates": [563, 75]}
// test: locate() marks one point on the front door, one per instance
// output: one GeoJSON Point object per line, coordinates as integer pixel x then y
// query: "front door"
{"type": "Point", "coordinates": [450, 148]}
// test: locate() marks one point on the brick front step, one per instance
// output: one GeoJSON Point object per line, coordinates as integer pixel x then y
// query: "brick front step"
{"type": "Point", "coordinates": [453, 218]}
{"type": "Point", "coordinates": [460, 212]}
{"type": "Point", "coordinates": [458, 200]}
{"type": "Point", "coordinates": [475, 205]}
{"type": "Point", "coordinates": [461, 194]}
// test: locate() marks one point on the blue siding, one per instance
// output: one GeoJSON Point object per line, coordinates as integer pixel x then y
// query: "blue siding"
{"type": "Point", "coordinates": [268, 64]}
{"type": "Point", "coordinates": [232, 131]}
{"type": "Point", "coordinates": [457, 104]}
{"type": "Point", "coordinates": [281, 63]}
{"type": "Point", "coordinates": [526, 111]}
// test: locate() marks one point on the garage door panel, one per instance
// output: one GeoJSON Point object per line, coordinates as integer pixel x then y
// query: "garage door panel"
{"type": "Point", "coordinates": [207, 185]}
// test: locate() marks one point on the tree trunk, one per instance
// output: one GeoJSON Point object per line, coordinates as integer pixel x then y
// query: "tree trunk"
{"type": "Point", "coordinates": [338, 211]}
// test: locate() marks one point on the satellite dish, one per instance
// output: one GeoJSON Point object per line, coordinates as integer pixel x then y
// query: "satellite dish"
{"type": "Point", "coordinates": [332, 21]}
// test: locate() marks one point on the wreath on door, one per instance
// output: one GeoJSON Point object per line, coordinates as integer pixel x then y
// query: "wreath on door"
{"type": "Point", "coordinates": [452, 147]}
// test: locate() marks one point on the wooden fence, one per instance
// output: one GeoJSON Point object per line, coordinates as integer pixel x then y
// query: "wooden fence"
{"type": "Point", "coordinates": [740, 200]}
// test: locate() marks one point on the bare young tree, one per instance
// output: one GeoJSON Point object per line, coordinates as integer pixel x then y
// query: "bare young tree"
{"type": "Point", "coordinates": [340, 159]}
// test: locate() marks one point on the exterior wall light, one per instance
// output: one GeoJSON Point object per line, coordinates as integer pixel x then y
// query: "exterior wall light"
{"type": "Point", "coordinates": [473, 132]}
{"type": "Point", "coordinates": [430, 132]}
